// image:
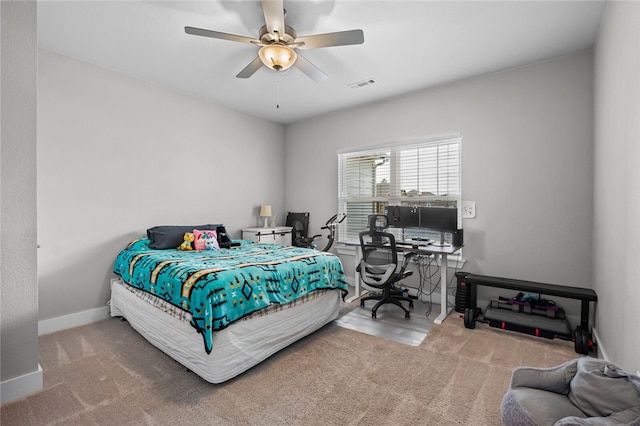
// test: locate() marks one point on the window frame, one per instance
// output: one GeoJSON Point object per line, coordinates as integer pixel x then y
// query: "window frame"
{"type": "Point", "coordinates": [395, 196]}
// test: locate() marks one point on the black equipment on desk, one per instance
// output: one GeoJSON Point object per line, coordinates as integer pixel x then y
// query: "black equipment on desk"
{"type": "Point", "coordinates": [403, 216]}
{"type": "Point", "coordinates": [439, 220]}
{"type": "Point", "coordinates": [457, 238]}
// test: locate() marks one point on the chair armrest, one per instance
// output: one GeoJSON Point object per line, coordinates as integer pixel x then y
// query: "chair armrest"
{"type": "Point", "coordinates": [406, 274]}
{"type": "Point", "coordinates": [405, 262]}
{"type": "Point", "coordinates": [555, 379]}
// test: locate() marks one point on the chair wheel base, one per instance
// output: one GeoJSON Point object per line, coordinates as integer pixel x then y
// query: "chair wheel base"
{"type": "Point", "coordinates": [381, 301]}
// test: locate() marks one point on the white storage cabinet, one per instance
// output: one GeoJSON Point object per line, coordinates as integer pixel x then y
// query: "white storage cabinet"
{"type": "Point", "coordinates": [277, 235]}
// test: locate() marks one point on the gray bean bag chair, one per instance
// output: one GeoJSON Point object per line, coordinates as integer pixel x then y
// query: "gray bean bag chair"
{"type": "Point", "coordinates": [585, 391]}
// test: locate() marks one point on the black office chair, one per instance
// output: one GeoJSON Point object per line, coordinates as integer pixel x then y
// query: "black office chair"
{"type": "Point", "coordinates": [379, 269]}
{"type": "Point", "coordinates": [300, 224]}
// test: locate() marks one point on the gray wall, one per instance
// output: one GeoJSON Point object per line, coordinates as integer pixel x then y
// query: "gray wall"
{"type": "Point", "coordinates": [118, 155]}
{"type": "Point", "coordinates": [18, 258]}
{"type": "Point", "coordinates": [526, 161]}
{"type": "Point", "coordinates": [616, 250]}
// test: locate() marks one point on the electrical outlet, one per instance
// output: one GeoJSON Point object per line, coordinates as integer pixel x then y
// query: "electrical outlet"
{"type": "Point", "coordinates": [468, 209]}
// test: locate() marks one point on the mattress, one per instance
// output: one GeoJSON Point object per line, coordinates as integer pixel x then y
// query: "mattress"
{"type": "Point", "coordinates": [236, 348]}
{"type": "Point", "coordinates": [221, 287]}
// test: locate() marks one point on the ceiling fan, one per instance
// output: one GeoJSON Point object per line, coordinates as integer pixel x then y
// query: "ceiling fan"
{"type": "Point", "coordinates": [278, 43]}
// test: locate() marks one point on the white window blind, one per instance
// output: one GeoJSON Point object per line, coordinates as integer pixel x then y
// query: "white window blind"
{"type": "Point", "coordinates": [416, 173]}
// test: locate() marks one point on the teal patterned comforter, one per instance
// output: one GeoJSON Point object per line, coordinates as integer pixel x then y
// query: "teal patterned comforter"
{"type": "Point", "coordinates": [219, 287]}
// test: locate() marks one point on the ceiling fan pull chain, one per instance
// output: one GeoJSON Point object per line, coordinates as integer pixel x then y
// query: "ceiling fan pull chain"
{"type": "Point", "coordinates": [278, 90]}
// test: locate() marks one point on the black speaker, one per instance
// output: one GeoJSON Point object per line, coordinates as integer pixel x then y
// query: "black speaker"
{"type": "Point", "coordinates": [457, 238]}
{"type": "Point", "coordinates": [463, 296]}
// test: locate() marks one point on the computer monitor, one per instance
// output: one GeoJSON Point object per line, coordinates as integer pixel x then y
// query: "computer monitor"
{"type": "Point", "coordinates": [440, 219]}
{"type": "Point", "coordinates": [403, 216]}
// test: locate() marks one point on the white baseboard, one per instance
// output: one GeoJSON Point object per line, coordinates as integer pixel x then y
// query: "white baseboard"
{"type": "Point", "coordinates": [602, 353]}
{"type": "Point", "coordinates": [72, 320]}
{"type": "Point", "coordinates": [33, 382]}
{"type": "Point", "coordinates": [18, 387]}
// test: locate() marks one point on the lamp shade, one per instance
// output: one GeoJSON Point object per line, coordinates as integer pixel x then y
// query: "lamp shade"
{"type": "Point", "coordinates": [265, 211]}
{"type": "Point", "coordinates": [277, 56]}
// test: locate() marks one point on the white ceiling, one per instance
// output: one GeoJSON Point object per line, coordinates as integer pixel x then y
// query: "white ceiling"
{"type": "Point", "coordinates": [409, 45]}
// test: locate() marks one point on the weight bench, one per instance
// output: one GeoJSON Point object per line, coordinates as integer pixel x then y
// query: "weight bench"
{"type": "Point", "coordinates": [582, 336]}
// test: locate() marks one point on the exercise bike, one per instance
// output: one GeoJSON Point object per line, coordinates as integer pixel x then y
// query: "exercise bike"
{"type": "Point", "coordinates": [331, 225]}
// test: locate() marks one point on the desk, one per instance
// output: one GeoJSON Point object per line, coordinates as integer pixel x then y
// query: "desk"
{"type": "Point", "coordinates": [440, 253]}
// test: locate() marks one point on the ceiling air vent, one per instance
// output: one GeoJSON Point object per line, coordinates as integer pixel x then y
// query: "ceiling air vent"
{"type": "Point", "coordinates": [362, 83]}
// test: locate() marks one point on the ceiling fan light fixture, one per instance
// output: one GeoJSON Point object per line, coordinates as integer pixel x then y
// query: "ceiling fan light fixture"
{"type": "Point", "coordinates": [278, 57]}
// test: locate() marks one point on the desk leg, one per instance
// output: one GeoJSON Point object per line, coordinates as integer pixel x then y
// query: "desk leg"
{"type": "Point", "coordinates": [356, 262]}
{"type": "Point", "coordinates": [443, 289]}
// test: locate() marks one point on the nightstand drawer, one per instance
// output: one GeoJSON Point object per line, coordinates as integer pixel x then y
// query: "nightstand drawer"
{"type": "Point", "coordinates": [277, 235]}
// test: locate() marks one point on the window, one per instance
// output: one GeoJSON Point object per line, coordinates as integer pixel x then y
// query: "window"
{"type": "Point", "coordinates": [415, 173]}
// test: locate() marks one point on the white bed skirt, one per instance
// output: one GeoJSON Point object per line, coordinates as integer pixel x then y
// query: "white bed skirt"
{"type": "Point", "coordinates": [236, 348]}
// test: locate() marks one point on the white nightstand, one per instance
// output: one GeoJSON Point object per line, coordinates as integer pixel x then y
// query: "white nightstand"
{"type": "Point", "coordinates": [276, 235]}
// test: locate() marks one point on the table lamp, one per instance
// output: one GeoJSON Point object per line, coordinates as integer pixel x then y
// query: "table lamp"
{"type": "Point", "coordinates": [265, 211]}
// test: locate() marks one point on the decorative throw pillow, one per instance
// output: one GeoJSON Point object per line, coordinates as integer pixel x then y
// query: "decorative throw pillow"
{"type": "Point", "coordinates": [171, 236]}
{"type": "Point", "coordinates": [205, 240]}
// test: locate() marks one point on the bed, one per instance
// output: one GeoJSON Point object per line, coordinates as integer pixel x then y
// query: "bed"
{"type": "Point", "coordinates": [220, 312]}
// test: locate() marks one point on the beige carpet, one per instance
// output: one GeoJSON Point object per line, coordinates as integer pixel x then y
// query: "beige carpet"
{"type": "Point", "coordinates": [106, 374]}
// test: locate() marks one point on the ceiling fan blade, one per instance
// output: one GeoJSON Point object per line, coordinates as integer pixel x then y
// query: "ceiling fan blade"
{"type": "Point", "coordinates": [217, 34]}
{"type": "Point", "coordinates": [341, 38]}
{"type": "Point", "coordinates": [274, 15]}
{"type": "Point", "coordinates": [250, 69]}
{"type": "Point", "coordinates": [313, 72]}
